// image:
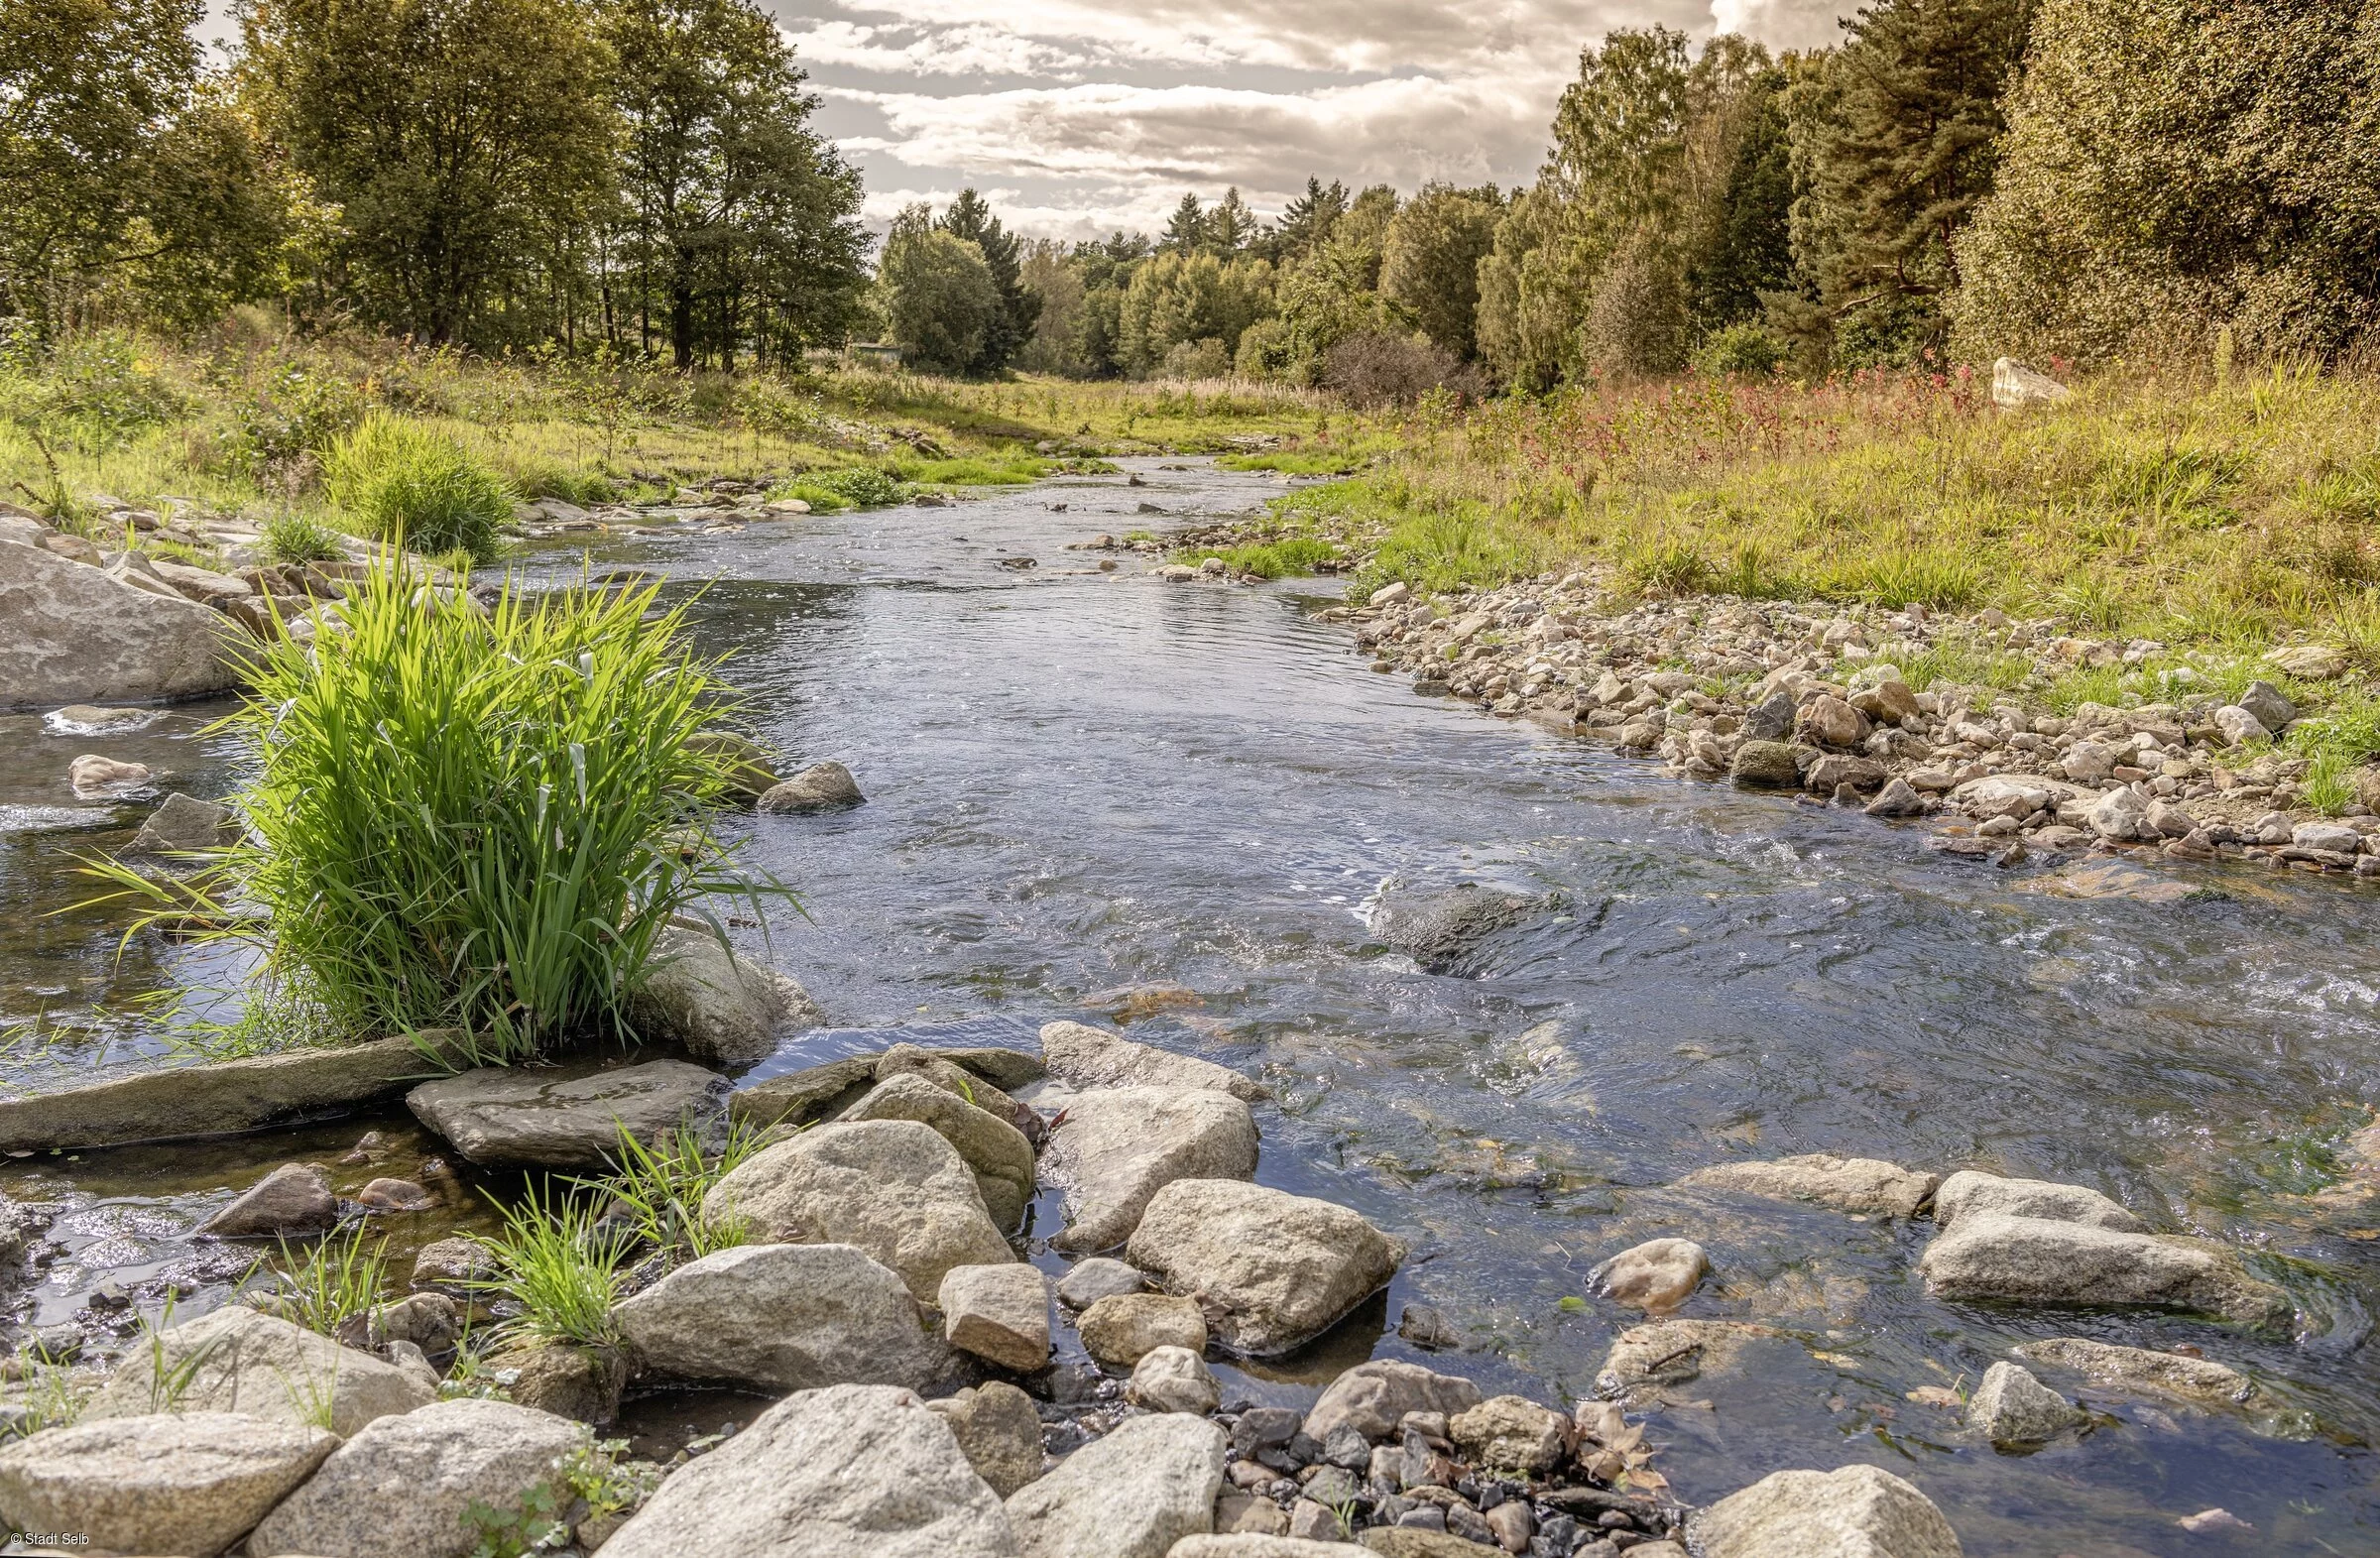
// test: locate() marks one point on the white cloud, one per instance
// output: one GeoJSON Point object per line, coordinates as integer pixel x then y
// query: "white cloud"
{"type": "Point", "coordinates": [1781, 23]}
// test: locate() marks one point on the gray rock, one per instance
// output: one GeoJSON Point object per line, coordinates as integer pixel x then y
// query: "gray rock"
{"type": "Point", "coordinates": [1648, 1359]}
{"type": "Point", "coordinates": [568, 1116]}
{"type": "Point", "coordinates": [2202, 1380]}
{"type": "Point", "coordinates": [1858, 1511]}
{"type": "Point", "coordinates": [189, 1483]}
{"type": "Point", "coordinates": [2016, 388]}
{"type": "Point", "coordinates": [1089, 1281]}
{"type": "Point", "coordinates": [2118, 815]}
{"type": "Point", "coordinates": [719, 1008]}
{"type": "Point", "coordinates": [1896, 799]}
{"type": "Point", "coordinates": [798, 1098]}
{"type": "Point", "coordinates": [1092, 1058]}
{"type": "Point", "coordinates": [1131, 1495]}
{"type": "Point", "coordinates": [185, 823]}
{"type": "Point", "coordinates": [1847, 1184]}
{"type": "Point", "coordinates": [1971, 1191]}
{"type": "Point", "coordinates": [1174, 1379]}
{"type": "Point", "coordinates": [995, 1151]}
{"type": "Point", "coordinates": [837, 1472]}
{"type": "Point", "coordinates": [998, 1431]}
{"type": "Point", "coordinates": [294, 1198]}
{"type": "Point", "coordinates": [1118, 1147]}
{"type": "Point", "coordinates": [1442, 930]}
{"type": "Point", "coordinates": [1273, 1270]}
{"type": "Point", "coordinates": [2038, 1260]}
{"type": "Point", "coordinates": [999, 1313]}
{"type": "Point", "coordinates": [822, 786]}
{"type": "Point", "coordinates": [781, 1317]}
{"type": "Point", "coordinates": [403, 1486]}
{"type": "Point", "coordinates": [564, 1378]}
{"type": "Point", "coordinates": [1771, 718]}
{"type": "Point", "coordinates": [2239, 727]}
{"type": "Point", "coordinates": [1124, 1328]}
{"type": "Point", "coordinates": [1249, 1544]}
{"type": "Point", "coordinates": [748, 767]}
{"type": "Point", "coordinates": [430, 1321]}
{"type": "Point", "coordinates": [951, 1077]}
{"type": "Point", "coordinates": [161, 1103]}
{"type": "Point", "coordinates": [2011, 1407]}
{"type": "Point", "coordinates": [1373, 1397]}
{"type": "Point", "coordinates": [2270, 706]}
{"type": "Point", "coordinates": [2335, 837]}
{"type": "Point", "coordinates": [236, 1359]}
{"type": "Point", "coordinates": [891, 1187]}
{"type": "Point", "coordinates": [452, 1265]}
{"type": "Point", "coordinates": [1656, 1275]}
{"type": "Point", "coordinates": [77, 635]}
{"type": "Point", "coordinates": [1765, 763]}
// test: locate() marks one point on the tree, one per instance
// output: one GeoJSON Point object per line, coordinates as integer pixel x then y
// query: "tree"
{"type": "Point", "coordinates": [1231, 225]}
{"type": "Point", "coordinates": [969, 218]}
{"type": "Point", "coordinates": [1056, 285]}
{"type": "Point", "coordinates": [2175, 169]}
{"type": "Point", "coordinates": [1305, 222]}
{"type": "Point", "coordinates": [122, 167]}
{"type": "Point", "coordinates": [1186, 230]}
{"type": "Point", "coordinates": [938, 293]}
{"type": "Point", "coordinates": [1894, 145]}
{"type": "Point", "coordinates": [742, 220]}
{"type": "Point", "coordinates": [446, 132]}
{"type": "Point", "coordinates": [1178, 299]}
{"type": "Point", "coordinates": [1430, 261]}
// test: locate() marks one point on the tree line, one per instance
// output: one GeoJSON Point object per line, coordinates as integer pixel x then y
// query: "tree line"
{"type": "Point", "coordinates": [1956, 179]}
{"type": "Point", "coordinates": [2052, 178]}
{"type": "Point", "coordinates": [640, 175]}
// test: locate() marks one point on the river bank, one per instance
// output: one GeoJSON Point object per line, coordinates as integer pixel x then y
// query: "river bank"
{"type": "Point", "coordinates": [1100, 796]}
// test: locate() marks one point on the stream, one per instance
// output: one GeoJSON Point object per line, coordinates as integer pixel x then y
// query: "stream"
{"type": "Point", "coordinates": [1088, 788]}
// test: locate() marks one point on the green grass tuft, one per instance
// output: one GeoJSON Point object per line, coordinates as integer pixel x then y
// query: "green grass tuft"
{"type": "Point", "coordinates": [411, 487]}
{"type": "Point", "coordinates": [560, 1265]}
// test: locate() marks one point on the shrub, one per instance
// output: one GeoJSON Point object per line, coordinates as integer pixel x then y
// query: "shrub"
{"type": "Point", "coordinates": [466, 817]}
{"type": "Point", "coordinates": [1372, 369]}
{"type": "Point", "coordinates": [420, 489]}
{"type": "Point", "coordinates": [1744, 351]}
{"type": "Point", "coordinates": [859, 486]}
{"type": "Point", "coordinates": [296, 415]}
{"type": "Point", "coordinates": [299, 538]}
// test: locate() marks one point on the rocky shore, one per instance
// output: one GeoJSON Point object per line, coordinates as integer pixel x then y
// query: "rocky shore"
{"type": "Point", "coordinates": [937, 1392]}
{"type": "Point", "coordinates": [1775, 696]}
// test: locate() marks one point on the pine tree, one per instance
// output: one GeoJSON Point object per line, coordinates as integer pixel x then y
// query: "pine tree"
{"type": "Point", "coordinates": [1895, 139]}
{"type": "Point", "coordinates": [1231, 224]}
{"type": "Point", "coordinates": [1186, 230]}
{"type": "Point", "coordinates": [970, 220]}
{"type": "Point", "coordinates": [1306, 221]}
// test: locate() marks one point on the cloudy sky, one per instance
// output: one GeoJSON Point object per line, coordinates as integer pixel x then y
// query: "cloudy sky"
{"type": "Point", "coordinates": [1077, 117]}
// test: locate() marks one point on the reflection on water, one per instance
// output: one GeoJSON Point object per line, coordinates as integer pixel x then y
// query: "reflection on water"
{"type": "Point", "coordinates": [1082, 783]}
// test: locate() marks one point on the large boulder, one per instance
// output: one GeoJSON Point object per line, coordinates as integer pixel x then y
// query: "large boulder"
{"type": "Point", "coordinates": [1373, 1397]}
{"type": "Point", "coordinates": [2200, 1380]}
{"type": "Point", "coordinates": [1250, 1544]}
{"type": "Point", "coordinates": [1969, 1192]}
{"type": "Point", "coordinates": [236, 1359]}
{"type": "Point", "coordinates": [404, 1487]}
{"type": "Point", "coordinates": [951, 1077]}
{"type": "Point", "coordinates": [191, 1483]}
{"type": "Point", "coordinates": [294, 1198]}
{"type": "Point", "coordinates": [1131, 1495]}
{"type": "Point", "coordinates": [1273, 1269]}
{"type": "Point", "coordinates": [1858, 1511]}
{"type": "Point", "coordinates": [1847, 1184]}
{"type": "Point", "coordinates": [781, 1317]}
{"type": "Point", "coordinates": [568, 1116]}
{"type": "Point", "coordinates": [1442, 930]}
{"type": "Point", "coordinates": [721, 1009]}
{"type": "Point", "coordinates": [997, 1154]}
{"type": "Point", "coordinates": [1088, 1057]}
{"type": "Point", "coordinates": [1116, 1147]}
{"type": "Point", "coordinates": [998, 1431]}
{"type": "Point", "coordinates": [850, 1470]}
{"type": "Point", "coordinates": [2035, 1259]}
{"type": "Point", "coordinates": [822, 786]}
{"type": "Point", "coordinates": [893, 1187]}
{"type": "Point", "coordinates": [1124, 1328]}
{"type": "Point", "coordinates": [76, 636]}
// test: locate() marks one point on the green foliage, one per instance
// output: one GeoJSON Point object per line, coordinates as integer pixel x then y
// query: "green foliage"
{"type": "Point", "coordinates": [299, 410]}
{"type": "Point", "coordinates": [1012, 324]}
{"type": "Point", "coordinates": [418, 489]}
{"type": "Point", "coordinates": [2329, 783]}
{"type": "Point", "coordinates": [1430, 261]}
{"type": "Point", "coordinates": [1183, 300]}
{"type": "Point", "coordinates": [326, 1285]}
{"type": "Point", "coordinates": [1746, 351]}
{"type": "Point", "coordinates": [2178, 179]}
{"type": "Point", "coordinates": [291, 537]}
{"type": "Point", "coordinates": [659, 1188]}
{"type": "Point", "coordinates": [560, 1263]}
{"type": "Point", "coordinates": [1287, 558]}
{"type": "Point", "coordinates": [469, 817]}
{"type": "Point", "coordinates": [1943, 579]}
{"type": "Point", "coordinates": [939, 294]}
{"type": "Point", "coordinates": [534, 1524]}
{"type": "Point", "coordinates": [610, 1483]}
{"type": "Point", "coordinates": [858, 485]}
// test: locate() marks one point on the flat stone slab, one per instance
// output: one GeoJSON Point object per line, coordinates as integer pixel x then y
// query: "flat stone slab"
{"type": "Point", "coordinates": [1088, 1056]}
{"type": "Point", "coordinates": [1847, 1184]}
{"type": "Point", "coordinates": [221, 1098]}
{"type": "Point", "coordinates": [164, 1483]}
{"type": "Point", "coordinates": [565, 1117]}
{"type": "Point", "coordinates": [2035, 1259]}
{"type": "Point", "coordinates": [1118, 1147]}
{"type": "Point", "coordinates": [236, 1359]}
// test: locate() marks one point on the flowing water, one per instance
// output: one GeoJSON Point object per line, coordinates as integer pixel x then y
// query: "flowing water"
{"type": "Point", "coordinates": [1081, 783]}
